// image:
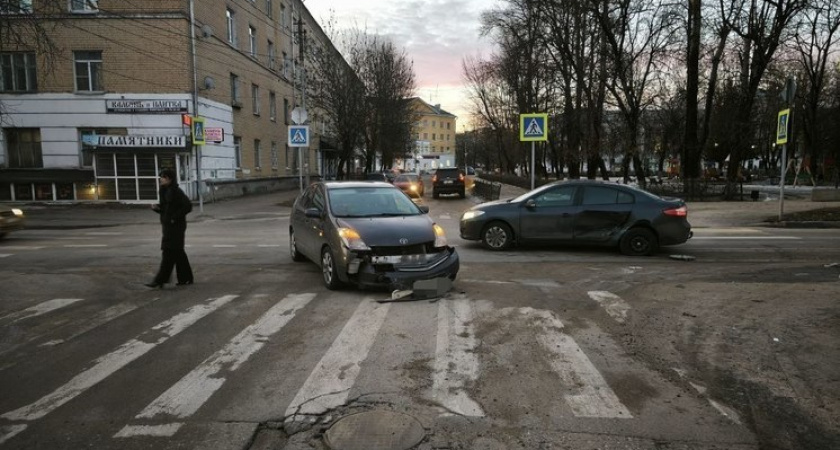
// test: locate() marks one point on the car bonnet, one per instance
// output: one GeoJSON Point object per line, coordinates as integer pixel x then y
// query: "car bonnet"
{"type": "Point", "coordinates": [392, 231]}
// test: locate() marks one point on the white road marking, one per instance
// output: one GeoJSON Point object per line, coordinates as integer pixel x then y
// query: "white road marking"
{"type": "Point", "coordinates": [116, 360]}
{"type": "Point", "coordinates": [223, 246]}
{"type": "Point", "coordinates": [268, 245]}
{"type": "Point", "coordinates": [631, 270]}
{"type": "Point", "coordinates": [89, 324]}
{"type": "Point", "coordinates": [166, 430]}
{"type": "Point", "coordinates": [329, 384]}
{"type": "Point", "coordinates": [727, 412]}
{"type": "Point", "coordinates": [592, 395]}
{"type": "Point", "coordinates": [186, 396]}
{"type": "Point", "coordinates": [5, 255]}
{"type": "Point", "coordinates": [613, 304]}
{"type": "Point", "coordinates": [445, 217]}
{"type": "Point", "coordinates": [486, 281]}
{"type": "Point", "coordinates": [85, 245]}
{"type": "Point", "coordinates": [104, 233]}
{"type": "Point", "coordinates": [744, 238]}
{"type": "Point", "coordinates": [456, 362]}
{"type": "Point", "coordinates": [77, 238]}
{"type": "Point", "coordinates": [42, 308]}
{"type": "Point", "coordinates": [9, 431]}
{"type": "Point", "coordinates": [20, 247]}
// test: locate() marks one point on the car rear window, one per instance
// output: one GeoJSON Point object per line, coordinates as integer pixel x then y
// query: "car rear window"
{"type": "Point", "coordinates": [448, 172]}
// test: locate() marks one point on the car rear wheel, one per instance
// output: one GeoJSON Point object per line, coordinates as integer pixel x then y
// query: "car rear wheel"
{"type": "Point", "coordinates": [638, 242]}
{"type": "Point", "coordinates": [330, 270]}
{"type": "Point", "coordinates": [497, 236]}
{"type": "Point", "coordinates": [435, 194]}
{"type": "Point", "coordinates": [293, 250]}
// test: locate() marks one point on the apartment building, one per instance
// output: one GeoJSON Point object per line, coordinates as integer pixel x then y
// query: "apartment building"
{"type": "Point", "coordinates": [111, 108]}
{"type": "Point", "coordinates": [434, 137]}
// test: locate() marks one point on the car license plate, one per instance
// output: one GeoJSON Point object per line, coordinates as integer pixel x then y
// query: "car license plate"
{"type": "Point", "coordinates": [447, 182]}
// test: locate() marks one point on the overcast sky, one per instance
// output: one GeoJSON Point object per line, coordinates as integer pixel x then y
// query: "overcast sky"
{"type": "Point", "coordinates": [435, 34]}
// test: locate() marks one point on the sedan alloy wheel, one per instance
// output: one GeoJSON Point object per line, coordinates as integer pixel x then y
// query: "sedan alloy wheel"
{"type": "Point", "coordinates": [497, 236]}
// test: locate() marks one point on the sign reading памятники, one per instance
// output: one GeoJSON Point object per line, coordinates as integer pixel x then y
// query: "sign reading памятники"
{"type": "Point", "coordinates": [110, 140]}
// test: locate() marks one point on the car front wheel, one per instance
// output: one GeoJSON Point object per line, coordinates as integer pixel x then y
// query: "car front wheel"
{"type": "Point", "coordinates": [497, 236]}
{"type": "Point", "coordinates": [638, 242]}
{"type": "Point", "coordinates": [329, 268]}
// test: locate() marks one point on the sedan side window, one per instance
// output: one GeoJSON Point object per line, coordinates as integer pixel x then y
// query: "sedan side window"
{"type": "Point", "coordinates": [625, 198]}
{"type": "Point", "coordinates": [599, 195]}
{"type": "Point", "coordinates": [563, 196]}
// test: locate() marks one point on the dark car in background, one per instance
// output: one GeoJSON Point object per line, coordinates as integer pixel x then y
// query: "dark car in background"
{"type": "Point", "coordinates": [584, 212]}
{"type": "Point", "coordinates": [410, 183]}
{"type": "Point", "coordinates": [370, 235]}
{"type": "Point", "coordinates": [449, 180]}
{"type": "Point", "coordinates": [11, 219]}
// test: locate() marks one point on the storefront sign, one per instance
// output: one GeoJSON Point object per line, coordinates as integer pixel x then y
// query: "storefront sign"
{"type": "Point", "coordinates": [146, 106]}
{"type": "Point", "coordinates": [109, 140]}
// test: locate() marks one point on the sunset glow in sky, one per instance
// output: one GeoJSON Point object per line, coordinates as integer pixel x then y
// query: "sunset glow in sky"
{"type": "Point", "coordinates": [435, 34]}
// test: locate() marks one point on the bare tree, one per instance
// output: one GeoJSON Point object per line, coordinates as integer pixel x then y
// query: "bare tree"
{"type": "Point", "coordinates": [815, 43]}
{"type": "Point", "coordinates": [639, 36]}
{"type": "Point", "coordinates": [762, 25]}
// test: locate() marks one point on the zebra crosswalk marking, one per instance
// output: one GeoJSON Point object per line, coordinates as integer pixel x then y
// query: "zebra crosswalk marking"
{"type": "Point", "coordinates": [186, 396]}
{"type": "Point", "coordinates": [329, 384]}
{"type": "Point", "coordinates": [41, 308]}
{"type": "Point", "coordinates": [116, 360]}
{"type": "Point", "coordinates": [613, 304]}
{"type": "Point", "coordinates": [593, 396]}
{"type": "Point", "coordinates": [456, 362]}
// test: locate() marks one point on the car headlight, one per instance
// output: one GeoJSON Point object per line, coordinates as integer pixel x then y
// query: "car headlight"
{"type": "Point", "coordinates": [470, 215]}
{"type": "Point", "coordinates": [352, 239]}
{"type": "Point", "coordinates": [440, 236]}
{"type": "Point", "coordinates": [413, 187]}
{"type": "Point", "coordinates": [17, 212]}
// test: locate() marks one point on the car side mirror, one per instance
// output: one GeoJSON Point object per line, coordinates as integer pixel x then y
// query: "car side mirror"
{"type": "Point", "coordinates": [424, 208]}
{"type": "Point", "coordinates": [313, 213]}
{"type": "Point", "coordinates": [531, 204]}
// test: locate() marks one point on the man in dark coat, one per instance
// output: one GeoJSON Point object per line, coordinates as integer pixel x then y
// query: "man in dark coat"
{"type": "Point", "coordinates": [173, 209]}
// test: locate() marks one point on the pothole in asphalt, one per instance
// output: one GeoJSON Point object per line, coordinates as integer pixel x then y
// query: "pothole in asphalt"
{"type": "Point", "coordinates": [375, 430]}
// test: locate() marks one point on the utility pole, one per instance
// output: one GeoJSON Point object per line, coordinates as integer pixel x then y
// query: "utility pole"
{"type": "Point", "coordinates": [196, 148]}
{"type": "Point", "coordinates": [301, 37]}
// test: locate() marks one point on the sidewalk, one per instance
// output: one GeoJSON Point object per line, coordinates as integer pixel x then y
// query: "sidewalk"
{"type": "Point", "coordinates": [73, 216]}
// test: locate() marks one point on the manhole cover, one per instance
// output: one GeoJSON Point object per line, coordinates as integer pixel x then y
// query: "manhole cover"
{"type": "Point", "coordinates": [375, 430]}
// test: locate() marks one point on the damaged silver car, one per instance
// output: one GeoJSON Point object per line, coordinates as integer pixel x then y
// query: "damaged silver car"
{"type": "Point", "coordinates": [368, 234]}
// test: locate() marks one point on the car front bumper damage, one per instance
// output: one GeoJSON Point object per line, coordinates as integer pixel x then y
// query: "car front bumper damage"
{"type": "Point", "coordinates": [401, 271]}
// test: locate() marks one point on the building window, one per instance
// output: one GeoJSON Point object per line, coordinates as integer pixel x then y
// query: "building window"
{"type": "Point", "coordinates": [237, 151]}
{"type": "Point", "coordinates": [255, 95]}
{"type": "Point", "coordinates": [87, 150]}
{"type": "Point", "coordinates": [231, 28]}
{"type": "Point", "coordinates": [275, 158]}
{"type": "Point", "coordinates": [88, 71]}
{"type": "Point", "coordinates": [283, 16]}
{"type": "Point", "coordinates": [252, 38]}
{"type": "Point", "coordinates": [235, 96]}
{"type": "Point", "coordinates": [425, 136]}
{"type": "Point", "coordinates": [269, 8]}
{"type": "Point", "coordinates": [18, 72]}
{"type": "Point", "coordinates": [272, 106]}
{"type": "Point", "coordinates": [257, 155]}
{"type": "Point", "coordinates": [447, 125]}
{"type": "Point", "coordinates": [272, 60]}
{"type": "Point", "coordinates": [286, 111]}
{"type": "Point", "coordinates": [77, 6]}
{"type": "Point", "coordinates": [285, 65]}
{"type": "Point", "coordinates": [23, 148]}
{"type": "Point", "coordinates": [434, 136]}
{"type": "Point", "coordinates": [16, 6]}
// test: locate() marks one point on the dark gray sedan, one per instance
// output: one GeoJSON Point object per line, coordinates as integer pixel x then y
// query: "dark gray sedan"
{"type": "Point", "coordinates": [581, 212]}
{"type": "Point", "coordinates": [368, 234]}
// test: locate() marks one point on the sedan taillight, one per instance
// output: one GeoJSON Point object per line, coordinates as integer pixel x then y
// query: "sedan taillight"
{"type": "Point", "coordinates": [434, 179]}
{"type": "Point", "coordinates": [461, 177]}
{"type": "Point", "coordinates": [682, 211]}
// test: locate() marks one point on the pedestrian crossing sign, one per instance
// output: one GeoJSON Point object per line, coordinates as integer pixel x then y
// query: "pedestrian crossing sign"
{"type": "Point", "coordinates": [533, 127]}
{"type": "Point", "coordinates": [298, 135]}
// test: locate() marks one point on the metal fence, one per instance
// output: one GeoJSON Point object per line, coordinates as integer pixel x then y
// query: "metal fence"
{"type": "Point", "coordinates": [487, 190]}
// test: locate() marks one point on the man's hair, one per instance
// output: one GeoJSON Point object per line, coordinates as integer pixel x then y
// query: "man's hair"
{"type": "Point", "coordinates": [168, 173]}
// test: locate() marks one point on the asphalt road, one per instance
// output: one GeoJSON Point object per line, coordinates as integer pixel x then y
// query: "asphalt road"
{"type": "Point", "coordinates": [533, 348]}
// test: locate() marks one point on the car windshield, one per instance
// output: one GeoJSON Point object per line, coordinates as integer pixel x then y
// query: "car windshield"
{"type": "Point", "coordinates": [371, 202]}
{"type": "Point", "coordinates": [406, 179]}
